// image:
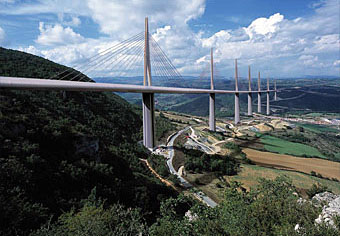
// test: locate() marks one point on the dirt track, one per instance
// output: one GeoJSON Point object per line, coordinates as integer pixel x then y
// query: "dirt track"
{"type": "Point", "coordinates": [279, 161]}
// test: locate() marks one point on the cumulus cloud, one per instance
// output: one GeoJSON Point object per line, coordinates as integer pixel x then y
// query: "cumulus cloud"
{"type": "Point", "coordinates": [264, 26]}
{"type": "Point", "coordinates": [115, 16]}
{"type": "Point", "coordinates": [56, 35]}
{"type": "Point", "coordinates": [275, 43]}
{"type": "Point", "coordinates": [278, 42]}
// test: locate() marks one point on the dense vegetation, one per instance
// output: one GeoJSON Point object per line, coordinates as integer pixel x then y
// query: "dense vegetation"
{"type": "Point", "coordinates": [54, 150]}
{"type": "Point", "coordinates": [163, 126]}
{"type": "Point", "coordinates": [158, 163]}
{"type": "Point", "coordinates": [270, 209]}
{"type": "Point", "coordinates": [198, 161]}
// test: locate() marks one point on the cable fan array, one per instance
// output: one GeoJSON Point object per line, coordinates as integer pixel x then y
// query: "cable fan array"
{"type": "Point", "coordinates": [161, 65]}
{"type": "Point", "coordinates": [124, 59]}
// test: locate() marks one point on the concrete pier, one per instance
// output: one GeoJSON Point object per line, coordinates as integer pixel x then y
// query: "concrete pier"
{"type": "Point", "coordinates": [275, 92]}
{"type": "Point", "coordinates": [148, 120]}
{"type": "Point", "coordinates": [237, 108]}
{"type": "Point", "coordinates": [259, 110]}
{"type": "Point", "coordinates": [237, 97]}
{"type": "Point", "coordinates": [250, 108]}
{"type": "Point", "coordinates": [212, 121]}
{"type": "Point", "coordinates": [268, 106]}
{"type": "Point", "coordinates": [148, 98]}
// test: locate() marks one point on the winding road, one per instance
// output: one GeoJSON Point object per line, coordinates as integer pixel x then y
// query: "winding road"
{"type": "Point", "coordinates": [183, 181]}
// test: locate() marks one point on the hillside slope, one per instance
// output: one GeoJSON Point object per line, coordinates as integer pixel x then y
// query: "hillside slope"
{"type": "Point", "coordinates": [55, 150]}
{"type": "Point", "coordinates": [20, 64]}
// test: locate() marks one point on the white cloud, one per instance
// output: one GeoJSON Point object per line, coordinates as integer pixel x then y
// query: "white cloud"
{"type": "Point", "coordinates": [118, 18]}
{"type": "Point", "coordinates": [75, 21]}
{"type": "Point", "coordinates": [325, 44]}
{"type": "Point", "coordinates": [275, 43]}
{"type": "Point", "coordinates": [2, 36]}
{"type": "Point", "coordinates": [56, 35]}
{"type": "Point", "coordinates": [31, 49]}
{"type": "Point", "coordinates": [336, 63]}
{"type": "Point", "coordinates": [69, 20]}
{"type": "Point", "coordinates": [114, 17]}
{"type": "Point", "coordinates": [308, 60]}
{"type": "Point", "coordinates": [264, 26]}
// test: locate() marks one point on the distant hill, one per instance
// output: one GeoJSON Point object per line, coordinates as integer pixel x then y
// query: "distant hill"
{"type": "Point", "coordinates": [317, 94]}
{"type": "Point", "coordinates": [318, 98]}
{"type": "Point", "coordinates": [55, 150]}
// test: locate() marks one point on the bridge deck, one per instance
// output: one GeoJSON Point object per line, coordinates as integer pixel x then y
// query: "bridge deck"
{"type": "Point", "coordinates": [45, 84]}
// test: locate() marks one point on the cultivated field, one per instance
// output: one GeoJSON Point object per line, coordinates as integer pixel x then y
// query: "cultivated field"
{"type": "Point", "coordinates": [280, 161]}
{"type": "Point", "coordinates": [274, 144]}
{"type": "Point", "coordinates": [250, 174]}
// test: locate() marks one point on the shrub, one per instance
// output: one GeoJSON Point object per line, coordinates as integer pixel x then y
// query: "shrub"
{"type": "Point", "coordinates": [315, 189]}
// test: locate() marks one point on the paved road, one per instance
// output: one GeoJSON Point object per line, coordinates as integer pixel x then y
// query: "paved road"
{"type": "Point", "coordinates": [204, 147]}
{"type": "Point", "coordinates": [184, 182]}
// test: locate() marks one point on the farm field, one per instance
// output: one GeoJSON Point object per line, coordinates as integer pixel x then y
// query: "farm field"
{"type": "Point", "coordinates": [319, 128]}
{"type": "Point", "coordinates": [281, 161]}
{"type": "Point", "coordinates": [250, 174]}
{"type": "Point", "coordinates": [274, 144]}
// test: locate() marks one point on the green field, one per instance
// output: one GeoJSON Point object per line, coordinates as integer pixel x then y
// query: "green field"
{"type": "Point", "coordinates": [250, 174]}
{"type": "Point", "coordinates": [319, 128]}
{"type": "Point", "coordinates": [273, 144]}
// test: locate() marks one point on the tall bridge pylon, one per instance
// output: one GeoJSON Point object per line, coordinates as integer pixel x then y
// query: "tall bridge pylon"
{"type": "Point", "coordinates": [212, 121]}
{"type": "Point", "coordinates": [127, 56]}
{"type": "Point", "coordinates": [237, 96]}
{"type": "Point", "coordinates": [148, 98]}
{"type": "Point", "coordinates": [259, 108]}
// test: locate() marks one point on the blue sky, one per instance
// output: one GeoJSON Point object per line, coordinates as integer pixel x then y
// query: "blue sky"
{"type": "Point", "coordinates": [221, 14]}
{"type": "Point", "coordinates": [289, 38]}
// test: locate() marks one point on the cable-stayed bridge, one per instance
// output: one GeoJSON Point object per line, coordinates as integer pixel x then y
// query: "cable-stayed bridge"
{"type": "Point", "coordinates": [138, 55]}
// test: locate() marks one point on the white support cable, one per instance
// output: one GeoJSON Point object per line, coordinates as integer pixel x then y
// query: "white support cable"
{"type": "Point", "coordinates": [134, 60]}
{"type": "Point", "coordinates": [159, 68]}
{"type": "Point", "coordinates": [112, 55]}
{"type": "Point", "coordinates": [104, 60]}
{"type": "Point", "coordinates": [164, 64]}
{"type": "Point", "coordinates": [132, 50]}
{"type": "Point", "coordinates": [100, 54]}
{"type": "Point", "coordinates": [166, 57]}
{"type": "Point", "coordinates": [167, 66]}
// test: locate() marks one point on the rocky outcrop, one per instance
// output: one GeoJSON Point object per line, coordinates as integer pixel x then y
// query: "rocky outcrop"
{"type": "Point", "coordinates": [181, 171]}
{"type": "Point", "coordinates": [331, 207]}
{"type": "Point", "coordinates": [330, 204]}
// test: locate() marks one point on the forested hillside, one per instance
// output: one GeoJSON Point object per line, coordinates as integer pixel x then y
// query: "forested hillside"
{"type": "Point", "coordinates": [56, 149]}
{"type": "Point", "coordinates": [20, 64]}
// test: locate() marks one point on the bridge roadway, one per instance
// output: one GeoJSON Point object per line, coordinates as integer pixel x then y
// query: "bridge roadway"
{"type": "Point", "coordinates": [46, 84]}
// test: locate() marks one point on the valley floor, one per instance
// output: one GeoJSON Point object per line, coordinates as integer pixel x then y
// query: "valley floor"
{"type": "Point", "coordinates": [265, 164]}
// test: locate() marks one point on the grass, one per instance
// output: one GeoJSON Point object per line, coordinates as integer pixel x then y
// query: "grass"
{"type": "Point", "coordinates": [274, 144]}
{"type": "Point", "coordinates": [319, 128]}
{"type": "Point", "coordinates": [249, 177]}
{"type": "Point", "coordinates": [250, 174]}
